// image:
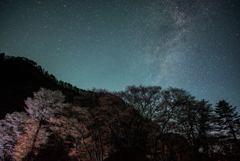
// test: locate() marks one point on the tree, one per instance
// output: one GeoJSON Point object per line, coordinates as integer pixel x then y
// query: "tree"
{"type": "Point", "coordinates": [228, 121]}
{"type": "Point", "coordinates": [20, 133]}
{"type": "Point", "coordinates": [164, 119]}
{"type": "Point", "coordinates": [148, 102]}
{"type": "Point", "coordinates": [42, 108]}
{"type": "Point", "coordinates": [11, 129]}
{"type": "Point", "coordinates": [100, 115]}
{"type": "Point", "coordinates": [191, 119]}
{"type": "Point", "coordinates": [24, 143]}
{"type": "Point", "coordinates": [175, 102]}
{"type": "Point", "coordinates": [145, 99]}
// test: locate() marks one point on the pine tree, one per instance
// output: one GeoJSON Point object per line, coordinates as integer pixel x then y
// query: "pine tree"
{"type": "Point", "coordinates": [227, 120]}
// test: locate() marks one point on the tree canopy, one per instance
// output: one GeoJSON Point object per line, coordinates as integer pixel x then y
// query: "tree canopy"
{"type": "Point", "coordinates": [140, 123]}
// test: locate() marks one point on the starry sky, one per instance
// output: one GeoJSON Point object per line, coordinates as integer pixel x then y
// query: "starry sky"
{"type": "Point", "coordinates": [189, 44]}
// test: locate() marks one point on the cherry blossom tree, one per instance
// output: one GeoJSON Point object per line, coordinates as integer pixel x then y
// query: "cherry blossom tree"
{"type": "Point", "coordinates": [11, 129]}
{"type": "Point", "coordinates": [23, 132]}
{"type": "Point", "coordinates": [42, 108]}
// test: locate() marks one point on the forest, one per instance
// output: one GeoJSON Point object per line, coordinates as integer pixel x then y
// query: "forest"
{"type": "Point", "coordinates": [57, 121]}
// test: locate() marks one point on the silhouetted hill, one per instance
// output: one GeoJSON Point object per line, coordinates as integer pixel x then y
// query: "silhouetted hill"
{"type": "Point", "coordinates": [138, 124]}
{"type": "Point", "coordinates": [20, 77]}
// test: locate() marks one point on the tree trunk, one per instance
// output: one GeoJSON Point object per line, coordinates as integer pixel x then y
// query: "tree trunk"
{"type": "Point", "coordinates": [35, 136]}
{"type": "Point", "coordinates": [90, 157]}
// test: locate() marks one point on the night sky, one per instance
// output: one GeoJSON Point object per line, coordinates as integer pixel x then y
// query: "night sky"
{"type": "Point", "coordinates": [189, 44]}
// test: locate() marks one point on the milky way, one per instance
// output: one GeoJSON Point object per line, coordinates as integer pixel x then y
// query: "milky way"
{"type": "Point", "coordinates": [189, 44]}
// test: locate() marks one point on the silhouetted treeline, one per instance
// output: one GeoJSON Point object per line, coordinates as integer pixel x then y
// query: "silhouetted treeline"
{"type": "Point", "coordinates": [143, 123]}
{"type": "Point", "coordinates": [20, 77]}
{"type": "Point", "coordinates": [140, 123]}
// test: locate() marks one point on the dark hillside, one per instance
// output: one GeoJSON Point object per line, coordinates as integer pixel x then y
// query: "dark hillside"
{"type": "Point", "coordinates": [20, 77]}
{"type": "Point", "coordinates": [62, 122]}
